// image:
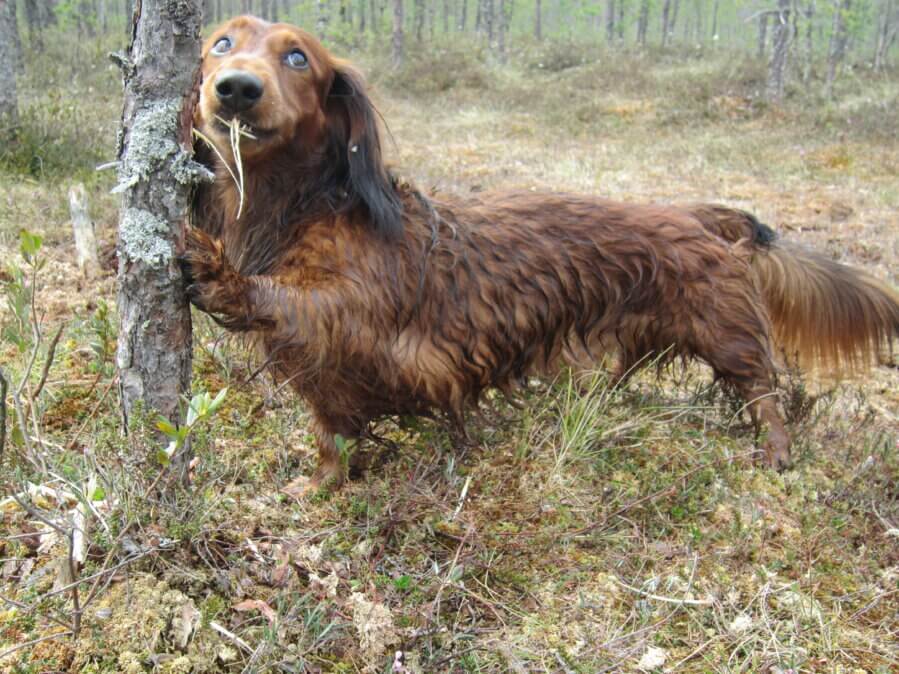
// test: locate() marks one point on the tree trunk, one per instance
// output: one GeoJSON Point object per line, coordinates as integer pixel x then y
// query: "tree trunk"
{"type": "Point", "coordinates": [699, 33]}
{"type": "Point", "coordinates": [397, 33]}
{"type": "Point", "coordinates": [675, 6]}
{"type": "Point", "coordinates": [321, 19]}
{"type": "Point", "coordinates": [419, 19]}
{"type": "Point", "coordinates": [643, 23]}
{"type": "Point", "coordinates": [156, 177]}
{"type": "Point", "coordinates": [838, 39]}
{"type": "Point", "coordinates": [9, 60]}
{"type": "Point", "coordinates": [83, 231]}
{"type": "Point", "coordinates": [774, 89]}
{"type": "Point", "coordinates": [886, 34]}
{"type": "Point", "coordinates": [763, 35]}
{"type": "Point", "coordinates": [715, 21]}
{"type": "Point", "coordinates": [488, 18]}
{"type": "Point", "coordinates": [501, 32]}
{"type": "Point", "coordinates": [538, 21]}
{"type": "Point", "coordinates": [666, 13]}
{"type": "Point", "coordinates": [33, 20]}
{"type": "Point", "coordinates": [610, 21]}
{"type": "Point", "coordinates": [619, 22]}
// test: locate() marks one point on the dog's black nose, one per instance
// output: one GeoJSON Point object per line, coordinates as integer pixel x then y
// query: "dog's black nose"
{"type": "Point", "coordinates": [238, 90]}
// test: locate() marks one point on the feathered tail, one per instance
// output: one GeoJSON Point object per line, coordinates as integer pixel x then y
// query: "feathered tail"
{"type": "Point", "coordinates": [826, 315]}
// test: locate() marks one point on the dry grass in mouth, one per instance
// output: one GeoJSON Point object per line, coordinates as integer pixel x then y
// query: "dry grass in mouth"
{"type": "Point", "coordinates": [235, 131]}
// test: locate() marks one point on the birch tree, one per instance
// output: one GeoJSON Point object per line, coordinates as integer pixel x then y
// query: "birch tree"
{"type": "Point", "coordinates": [9, 59]}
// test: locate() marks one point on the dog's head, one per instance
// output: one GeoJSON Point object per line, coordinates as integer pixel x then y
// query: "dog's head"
{"type": "Point", "coordinates": [293, 98]}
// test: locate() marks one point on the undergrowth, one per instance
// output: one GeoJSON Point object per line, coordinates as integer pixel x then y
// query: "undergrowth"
{"type": "Point", "coordinates": [597, 528]}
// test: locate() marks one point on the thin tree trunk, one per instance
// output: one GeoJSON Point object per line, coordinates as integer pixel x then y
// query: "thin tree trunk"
{"type": "Point", "coordinates": [619, 22]}
{"type": "Point", "coordinates": [33, 20]}
{"type": "Point", "coordinates": [774, 89]}
{"type": "Point", "coordinates": [838, 39]}
{"type": "Point", "coordinates": [321, 19]}
{"type": "Point", "coordinates": [9, 59]}
{"type": "Point", "coordinates": [610, 21]}
{"type": "Point", "coordinates": [666, 13]}
{"type": "Point", "coordinates": [643, 23]}
{"type": "Point", "coordinates": [763, 35]}
{"type": "Point", "coordinates": [156, 179]}
{"type": "Point", "coordinates": [538, 21]}
{"type": "Point", "coordinates": [501, 32]}
{"type": "Point", "coordinates": [446, 17]}
{"type": "Point", "coordinates": [715, 21]}
{"type": "Point", "coordinates": [809, 44]}
{"type": "Point", "coordinates": [489, 20]}
{"type": "Point", "coordinates": [397, 41]}
{"type": "Point", "coordinates": [419, 19]}
{"type": "Point", "coordinates": [886, 34]}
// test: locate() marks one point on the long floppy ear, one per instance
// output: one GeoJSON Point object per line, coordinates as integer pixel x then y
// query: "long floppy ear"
{"type": "Point", "coordinates": [354, 129]}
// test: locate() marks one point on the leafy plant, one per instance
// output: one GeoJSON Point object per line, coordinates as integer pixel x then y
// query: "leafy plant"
{"type": "Point", "coordinates": [199, 409]}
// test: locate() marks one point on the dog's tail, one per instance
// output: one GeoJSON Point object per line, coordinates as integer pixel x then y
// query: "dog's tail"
{"type": "Point", "coordinates": [826, 315]}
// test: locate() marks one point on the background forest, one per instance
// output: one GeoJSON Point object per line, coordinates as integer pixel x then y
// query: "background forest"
{"type": "Point", "coordinates": [598, 529]}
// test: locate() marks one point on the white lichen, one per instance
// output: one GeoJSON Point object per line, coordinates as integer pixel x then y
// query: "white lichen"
{"type": "Point", "coordinates": [152, 142]}
{"type": "Point", "coordinates": [374, 625]}
{"type": "Point", "coordinates": [143, 237]}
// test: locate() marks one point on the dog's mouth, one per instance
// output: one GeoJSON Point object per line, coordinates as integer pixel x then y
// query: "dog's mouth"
{"type": "Point", "coordinates": [245, 129]}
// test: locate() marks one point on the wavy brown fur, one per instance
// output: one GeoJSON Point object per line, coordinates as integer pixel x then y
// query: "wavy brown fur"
{"type": "Point", "coordinates": [373, 300]}
{"type": "Point", "coordinates": [826, 315]}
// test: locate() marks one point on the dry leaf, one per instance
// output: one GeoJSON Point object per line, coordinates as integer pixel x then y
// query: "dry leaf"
{"type": "Point", "coordinates": [256, 605]}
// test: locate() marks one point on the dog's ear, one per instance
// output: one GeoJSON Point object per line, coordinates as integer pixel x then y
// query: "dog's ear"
{"type": "Point", "coordinates": [354, 129]}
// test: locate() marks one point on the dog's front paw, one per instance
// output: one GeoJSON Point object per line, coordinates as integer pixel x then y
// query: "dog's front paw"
{"type": "Point", "coordinates": [207, 273]}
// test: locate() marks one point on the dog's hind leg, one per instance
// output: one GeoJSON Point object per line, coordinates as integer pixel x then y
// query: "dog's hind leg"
{"type": "Point", "coordinates": [739, 356]}
{"type": "Point", "coordinates": [330, 472]}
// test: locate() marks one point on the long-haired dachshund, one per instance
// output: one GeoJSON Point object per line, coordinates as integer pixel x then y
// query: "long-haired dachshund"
{"type": "Point", "coordinates": [372, 299]}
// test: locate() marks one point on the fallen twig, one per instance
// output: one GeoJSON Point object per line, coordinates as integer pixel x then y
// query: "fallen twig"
{"type": "Point", "coordinates": [51, 352]}
{"type": "Point", "coordinates": [19, 647]}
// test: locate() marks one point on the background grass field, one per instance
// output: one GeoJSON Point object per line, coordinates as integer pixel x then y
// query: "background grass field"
{"type": "Point", "coordinates": [594, 530]}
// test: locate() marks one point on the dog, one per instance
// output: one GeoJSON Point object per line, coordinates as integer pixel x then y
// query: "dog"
{"type": "Point", "coordinates": [373, 299]}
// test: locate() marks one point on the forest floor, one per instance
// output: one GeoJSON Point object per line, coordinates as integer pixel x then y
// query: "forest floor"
{"type": "Point", "coordinates": [613, 530]}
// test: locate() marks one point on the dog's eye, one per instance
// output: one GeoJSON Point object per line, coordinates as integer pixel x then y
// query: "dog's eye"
{"type": "Point", "coordinates": [296, 59]}
{"type": "Point", "coordinates": [221, 47]}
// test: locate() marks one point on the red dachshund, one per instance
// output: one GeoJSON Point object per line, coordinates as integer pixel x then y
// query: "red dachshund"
{"type": "Point", "coordinates": [375, 300]}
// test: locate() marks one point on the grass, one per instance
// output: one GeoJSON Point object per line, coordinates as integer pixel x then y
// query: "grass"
{"type": "Point", "coordinates": [596, 529]}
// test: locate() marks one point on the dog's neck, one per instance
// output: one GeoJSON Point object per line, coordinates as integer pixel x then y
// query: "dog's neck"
{"type": "Point", "coordinates": [281, 197]}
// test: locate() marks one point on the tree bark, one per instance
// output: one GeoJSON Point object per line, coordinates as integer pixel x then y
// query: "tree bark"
{"type": "Point", "coordinates": [501, 32]}
{"type": "Point", "coordinates": [619, 22]}
{"type": "Point", "coordinates": [838, 39]}
{"type": "Point", "coordinates": [419, 19]}
{"type": "Point", "coordinates": [886, 34]}
{"type": "Point", "coordinates": [715, 21]}
{"type": "Point", "coordinates": [156, 177]}
{"type": "Point", "coordinates": [643, 23]}
{"type": "Point", "coordinates": [666, 13]}
{"type": "Point", "coordinates": [610, 21]}
{"type": "Point", "coordinates": [774, 89]}
{"type": "Point", "coordinates": [489, 19]}
{"type": "Point", "coordinates": [397, 41]}
{"type": "Point", "coordinates": [763, 35]}
{"type": "Point", "coordinates": [9, 61]}
{"type": "Point", "coordinates": [83, 231]}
